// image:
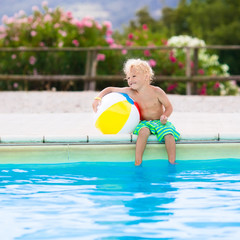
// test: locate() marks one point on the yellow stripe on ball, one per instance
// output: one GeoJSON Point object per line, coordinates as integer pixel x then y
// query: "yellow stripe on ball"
{"type": "Point", "coordinates": [113, 119]}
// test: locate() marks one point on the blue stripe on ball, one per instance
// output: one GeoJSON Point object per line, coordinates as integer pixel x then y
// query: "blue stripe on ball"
{"type": "Point", "coordinates": [128, 98]}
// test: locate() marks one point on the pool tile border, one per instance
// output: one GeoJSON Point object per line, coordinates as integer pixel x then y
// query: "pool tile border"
{"type": "Point", "coordinates": [65, 139]}
{"type": "Point", "coordinates": [114, 139]}
{"type": "Point", "coordinates": [21, 139]}
{"type": "Point", "coordinates": [70, 153]}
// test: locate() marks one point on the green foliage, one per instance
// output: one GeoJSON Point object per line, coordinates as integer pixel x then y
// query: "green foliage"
{"type": "Point", "coordinates": [208, 65]}
{"type": "Point", "coordinates": [208, 20]}
{"type": "Point", "coordinates": [49, 28]}
{"type": "Point", "coordinates": [217, 22]}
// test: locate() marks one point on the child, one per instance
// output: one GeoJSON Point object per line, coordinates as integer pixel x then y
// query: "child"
{"type": "Point", "coordinates": [154, 106]}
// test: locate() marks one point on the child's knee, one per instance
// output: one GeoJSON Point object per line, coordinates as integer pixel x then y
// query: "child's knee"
{"type": "Point", "coordinates": [144, 132]}
{"type": "Point", "coordinates": [169, 136]}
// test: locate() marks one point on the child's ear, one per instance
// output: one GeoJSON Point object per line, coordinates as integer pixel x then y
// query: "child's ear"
{"type": "Point", "coordinates": [147, 77]}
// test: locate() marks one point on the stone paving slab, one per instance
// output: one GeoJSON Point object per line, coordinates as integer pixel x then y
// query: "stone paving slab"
{"type": "Point", "coordinates": [79, 127]}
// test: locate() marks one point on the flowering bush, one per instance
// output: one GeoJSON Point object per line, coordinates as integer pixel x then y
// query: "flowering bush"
{"type": "Point", "coordinates": [173, 62]}
{"type": "Point", "coordinates": [208, 65]}
{"type": "Point", "coordinates": [49, 28]}
{"type": "Point", "coordinates": [56, 28]}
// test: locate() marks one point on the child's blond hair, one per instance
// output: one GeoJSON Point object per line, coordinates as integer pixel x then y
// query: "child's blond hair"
{"type": "Point", "coordinates": [138, 64]}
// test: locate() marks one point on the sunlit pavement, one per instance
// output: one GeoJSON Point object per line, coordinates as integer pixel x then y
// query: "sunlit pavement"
{"type": "Point", "coordinates": [77, 124]}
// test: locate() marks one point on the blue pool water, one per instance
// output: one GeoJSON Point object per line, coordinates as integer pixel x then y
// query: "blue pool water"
{"type": "Point", "coordinates": [192, 200]}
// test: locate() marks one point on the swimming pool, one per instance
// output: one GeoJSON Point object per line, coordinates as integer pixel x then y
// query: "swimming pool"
{"type": "Point", "coordinates": [116, 200]}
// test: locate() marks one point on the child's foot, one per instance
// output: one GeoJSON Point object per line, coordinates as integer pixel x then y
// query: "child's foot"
{"type": "Point", "coordinates": [172, 162]}
{"type": "Point", "coordinates": [138, 162]}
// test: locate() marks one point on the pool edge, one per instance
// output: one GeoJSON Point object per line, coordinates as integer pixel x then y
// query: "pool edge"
{"type": "Point", "coordinates": [53, 153]}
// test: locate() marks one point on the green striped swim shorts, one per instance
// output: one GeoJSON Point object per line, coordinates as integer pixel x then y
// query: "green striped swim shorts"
{"type": "Point", "coordinates": [158, 129]}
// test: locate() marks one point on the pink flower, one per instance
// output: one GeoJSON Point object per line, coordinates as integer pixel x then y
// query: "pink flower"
{"type": "Point", "coordinates": [60, 44]}
{"type": "Point", "coordinates": [130, 36]}
{"type": "Point", "coordinates": [203, 90]}
{"type": "Point", "coordinates": [15, 85]}
{"type": "Point", "coordinates": [124, 52]}
{"type": "Point", "coordinates": [147, 53]}
{"type": "Point", "coordinates": [3, 35]}
{"type": "Point", "coordinates": [5, 19]}
{"type": "Point", "coordinates": [56, 25]}
{"type": "Point", "coordinates": [109, 40]}
{"type": "Point", "coordinates": [16, 38]}
{"type": "Point", "coordinates": [87, 23]}
{"type": "Point", "coordinates": [164, 41]}
{"type": "Point", "coordinates": [234, 82]}
{"type": "Point", "coordinates": [75, 42]}
{"type": "Point", "coordinates": [42, 44]}
{"type": "Point", "coordinates": [171, 87]}
{"type": "Point", "coordinates": [35, 9]}
{"type": "Point", "coordinates": [216, 85]}
{"type": "Point", "coordinates": [114, 45]}
{"type": "Point", "coordinates": [172, 58]}
{"type": "Point", "coordinates": [79, 24]}
{"type": "Point", "coordinates": [2, 28]}
{"type": "Point", "coordinates": [99, 26]}
{"type": "Point", "coordinates": [69, 15]}
{"type": "Point", "coordinates": [107, 24]}
{"type": "Point", "coordinates": [21, 13]}
{"type": "Point", "coordinates": [145, 27]}
{"type": "Point", "coordinates": [180, 64]}
{"type": "Point", "coordinates": [101, 57]}
{"type": "Point", "coordinates": [33, 33]}
{"type": "Point", "coordinates": [32, 60]}
{"type": "Point", "coordinates": [152, 62]}
{"type": "Point", "coordinates": [201, 71]}
{"type": "Point", "coordinates": [63, 33]}
{"type": "Point", "coordinates": [30, 20]}
{"type": "Point", "coordinates": [14, 56]}
{"type": "Point", "coordinates": [44, 4]}
{"type": "Point", "coordinates": [109, 33]}
{"type": "Point", "coordinates": [129, 43]}
{"type": "Point", "coordinates": [47, 18]}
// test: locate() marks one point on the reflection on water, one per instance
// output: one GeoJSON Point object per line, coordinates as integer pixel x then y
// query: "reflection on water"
{"type": "Point", "coordinates": [191, 200]}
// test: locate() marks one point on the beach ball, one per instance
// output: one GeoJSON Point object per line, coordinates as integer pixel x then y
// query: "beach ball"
{"type": "Point", "coordinates": [117, 113]}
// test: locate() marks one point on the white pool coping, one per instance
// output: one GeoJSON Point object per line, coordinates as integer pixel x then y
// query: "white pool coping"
{"type": "Point", "coordinates": [72, 137]}
{"type": "Point", "coordinates": [78, 128]}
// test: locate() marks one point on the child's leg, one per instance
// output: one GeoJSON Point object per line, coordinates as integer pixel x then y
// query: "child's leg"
{"type": "Point", "coordinates": [171, 148]}
{"type": "Point", "coordinates": [141, 144]}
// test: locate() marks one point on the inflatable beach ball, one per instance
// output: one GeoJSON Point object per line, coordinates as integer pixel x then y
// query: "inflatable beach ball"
{"type": "Point", "coordinates": [117, 113]}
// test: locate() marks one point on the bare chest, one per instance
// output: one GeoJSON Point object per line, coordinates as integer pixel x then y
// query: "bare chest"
{"type": "Point", "coordinates": [150, 107]}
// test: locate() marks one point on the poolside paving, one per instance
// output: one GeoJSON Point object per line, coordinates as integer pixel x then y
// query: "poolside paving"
{"type": "Point", "coordinates": [66, 125]}
{"type": "Point", "coordinates": [52, 128]}
{"type": "Point", "coordinates": [209, 118]}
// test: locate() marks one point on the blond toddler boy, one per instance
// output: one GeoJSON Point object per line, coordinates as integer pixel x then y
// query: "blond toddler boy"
{"type": "Point", "coordinates": [154, 106]}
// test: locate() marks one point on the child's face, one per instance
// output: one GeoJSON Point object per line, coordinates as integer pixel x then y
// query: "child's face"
{"type": "Point", "coordinates": [136, 78]}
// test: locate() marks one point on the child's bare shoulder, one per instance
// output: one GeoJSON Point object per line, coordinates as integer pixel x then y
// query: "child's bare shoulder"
{"type": "Point", "coordinates": [120, 89]}
{"type": "Point", "coordinates": [158, 90]}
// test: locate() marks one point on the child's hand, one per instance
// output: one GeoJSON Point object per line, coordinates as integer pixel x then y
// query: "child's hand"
{"type": "Point", "coordinates": [95, 104]}
{"type": "Point", "coordinates": [163, 119]}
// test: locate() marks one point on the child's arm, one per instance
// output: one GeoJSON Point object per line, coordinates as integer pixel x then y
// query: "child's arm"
{"type": "Point", "coordinates": [162, 96]}
{"type": "Point", "coordinates": [105, 91]}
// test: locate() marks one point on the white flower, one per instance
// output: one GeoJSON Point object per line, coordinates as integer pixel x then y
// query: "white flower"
{"type": "Point", "coordinates": [214, 59]}
{"type": "Point", "coordinates": [225, 68]}
{"type": "Point", "coordinates": [184, 40]}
